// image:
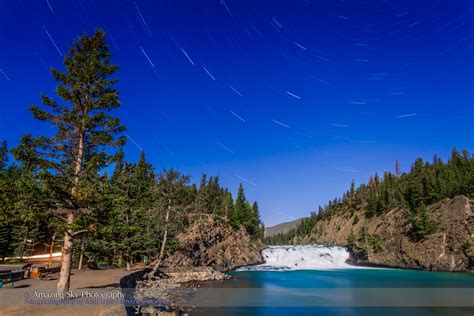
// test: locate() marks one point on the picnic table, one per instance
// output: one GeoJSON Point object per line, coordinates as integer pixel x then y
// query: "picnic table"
{"type": "Point", "coordinates": [10, 277]}
{"type": "Point", "coordinates": [42, 272]}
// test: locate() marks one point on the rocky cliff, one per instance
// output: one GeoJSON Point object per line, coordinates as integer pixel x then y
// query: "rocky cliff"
{"type": "Point", "coordinates": [384, 240]}
{"type": "Point", "coordinates": [215, 244]}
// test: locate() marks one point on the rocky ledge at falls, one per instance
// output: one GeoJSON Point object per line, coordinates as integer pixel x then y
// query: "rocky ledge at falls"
{"type": "Point", "coordinates": [206, 250]}
{"type": "Point", "coordinates": [214, 243]}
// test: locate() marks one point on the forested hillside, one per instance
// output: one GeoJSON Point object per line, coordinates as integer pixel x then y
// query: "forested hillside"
{"type": "Point", "coordinates": [425, 184]}
{"type": "Point", "coordinates": [56, 188]}
{"type": "Point", "coordinates": [281, 228]}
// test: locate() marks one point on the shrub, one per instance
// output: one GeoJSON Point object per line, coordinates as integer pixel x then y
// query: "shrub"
{"type": "Point", "coordinates": [351, 240]}
{"type": "Point", "coordinates": [421, 224]}
{"type": "Point", "coordinates": [355, 220]}
{"type": "Point", "coordinates": [466, 246]}
{"type": "Point", "coordinates": [376, 243]}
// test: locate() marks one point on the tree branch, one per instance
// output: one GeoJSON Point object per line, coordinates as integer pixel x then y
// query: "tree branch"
{"type": "Point", "coordinates": [79, 232]}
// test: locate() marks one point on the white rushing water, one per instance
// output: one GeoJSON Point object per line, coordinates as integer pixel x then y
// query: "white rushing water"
{"type": "Point", "coordinates": [307, 257]}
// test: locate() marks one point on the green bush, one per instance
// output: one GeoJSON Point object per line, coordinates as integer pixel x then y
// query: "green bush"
{"type": "Point", "coordinates": [355, 220]}
{"type": "Point", "coordinates": [466, 246]}
{"type": "Point", "coordinates": [351, 240]}
{"type": "Point", "coordinates": [421, 224]}
{"type": "Point", "coordinates": [376, 243]}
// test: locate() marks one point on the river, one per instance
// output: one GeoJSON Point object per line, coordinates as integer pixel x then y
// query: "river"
{"type": "Point", "coordinates": [316, 280]}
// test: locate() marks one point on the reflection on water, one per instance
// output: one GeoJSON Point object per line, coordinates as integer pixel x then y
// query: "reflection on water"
{"type": "Point", "coordinates": [340, 292]}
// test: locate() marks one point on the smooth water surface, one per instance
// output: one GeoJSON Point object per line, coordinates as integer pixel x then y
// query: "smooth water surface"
{"type": "Point", "coordinates": [288, 292]}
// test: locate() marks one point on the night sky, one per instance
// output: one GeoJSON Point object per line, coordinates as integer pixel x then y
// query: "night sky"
{"type": "Point", "coordinates": [291, 98]}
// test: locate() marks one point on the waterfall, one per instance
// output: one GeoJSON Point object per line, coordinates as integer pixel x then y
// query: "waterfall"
{"type": "Point", "coordinates": [307, 257]}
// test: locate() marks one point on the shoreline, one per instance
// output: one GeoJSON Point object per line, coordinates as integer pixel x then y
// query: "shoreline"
{"type": "Point", "coordinates": [174, 282]}
{"type": "Point", "coordinates": [169, 286]}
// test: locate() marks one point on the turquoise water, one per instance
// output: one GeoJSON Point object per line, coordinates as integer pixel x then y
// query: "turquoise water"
{"type": "Point", "coordinates": [312, 292]}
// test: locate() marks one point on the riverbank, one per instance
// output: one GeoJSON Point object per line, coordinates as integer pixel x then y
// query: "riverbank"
{"type": "Point", "coordinates": [169, 287]}
{"type": "Point", "coordinates": [182, 290]}
{"type": "Point", "coordinates": [305, 291]}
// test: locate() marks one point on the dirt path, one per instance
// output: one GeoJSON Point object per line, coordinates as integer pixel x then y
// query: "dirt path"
{"type": "Point", "coordinates": [12, 300]}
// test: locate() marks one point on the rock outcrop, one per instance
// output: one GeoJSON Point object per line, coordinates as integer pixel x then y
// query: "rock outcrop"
{"type": "Point", "coordinates": [213, 243]}
{"type": "Point", "coordinates": [170, 287]}
{"type": "Point", "coordinates": [208, 248]}
{"type": "Point", "coordinates": [385, 240]}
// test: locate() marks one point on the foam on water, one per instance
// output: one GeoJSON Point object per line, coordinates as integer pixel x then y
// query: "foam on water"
{"type": "Point", "coordinates": [307, 257]}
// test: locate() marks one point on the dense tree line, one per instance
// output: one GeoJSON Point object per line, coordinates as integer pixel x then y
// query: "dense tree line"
{"type": "Point", "coordinates": [426, 183]}
{"type": "Point", "coordinates": [126, 221]}
{"type": "Point", "coordinates": [56, 187]}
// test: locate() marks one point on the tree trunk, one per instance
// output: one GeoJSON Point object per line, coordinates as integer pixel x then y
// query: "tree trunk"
{"type": "Point", "coordinates": [163, 243]}
{"type": "Point", "coordinates": [165, 236]}
{"type": "Point", "coordinates": [128, 259]}
{"type": "Point", "coordinates": [81, 256]}
{"type": "Point", "coordinates": [66, 261]}
{"type": "Point", "coordinates": [22, 253]}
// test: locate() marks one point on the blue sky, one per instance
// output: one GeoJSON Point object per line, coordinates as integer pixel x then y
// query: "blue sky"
{"type": "Point", "coordinates": [292, 98]}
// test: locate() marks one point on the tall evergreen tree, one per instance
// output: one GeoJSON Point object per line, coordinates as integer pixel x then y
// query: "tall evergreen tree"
{"type": "Point", "coordinates": [201, 198]}
{"type": "Point", "coordinates": [229, 204]}
{"type": "Point", "coordinates": [143, 198]}
{"type": "Point", "coordinates": [239, 209]}
{"type": "Point", "coordinates": [415, 192]}
{"type": "Point", "coordinates": [215, 197]}
{"type": "Point", "coordinates": [172, 203]}
{"type": "Point", "coordinates": [371, 208]}
{"type": "Point", "coordinates": [3, 155]}
{"type": "Point", "coordinates": [256, 222]}
{"type": "Point", "coordinates": [68, 161]}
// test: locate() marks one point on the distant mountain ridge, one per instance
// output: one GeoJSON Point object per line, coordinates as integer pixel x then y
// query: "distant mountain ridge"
{"type": "Point", "coordinates": [281, 228]}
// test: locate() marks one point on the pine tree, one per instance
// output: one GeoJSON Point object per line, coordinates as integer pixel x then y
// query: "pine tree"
{"type": "Point", "coordinates": [415, 193]}
{"type": "Point", "coordinates": [256, 222]}
{"type": "Point", "coordinates": [5, 240]}
{"type": "Point", "coordinates": [201, 199]}
{"type": "Point", "coordinates": [3, 155]}
{"type": "Point", "coordinates": [123, 223]}
{"type": "Point", "coordinates": [248, 219]}
{"type": "Point", "coordinates": [229, 204]}
{"type": "Point", "coordinates": [371, 208]}
{"type": "Point", "coordinates": [100, 242]}
{"type": "Point", "coordinates": [142, 201]}
{"type": "Point", "coordinates": [430, 187]}
{"type": "Point", "coordinates": [6, 205]}
{"type": "Point", "coordinates": [421, 224]}
{"type": "Point", "coordinates": [172, 203]}
{"type": "Point", "coordinates": [67, 161]}
{"type": "Point", "coordinates": [240, 208]}
{"type": "Point", "coordinates": [214, 197]}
